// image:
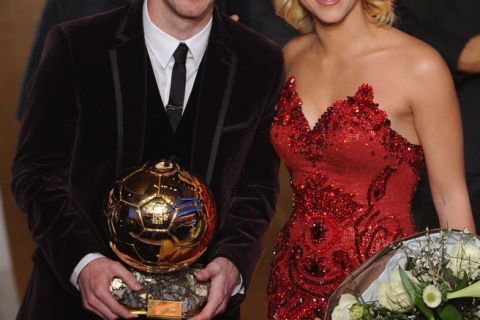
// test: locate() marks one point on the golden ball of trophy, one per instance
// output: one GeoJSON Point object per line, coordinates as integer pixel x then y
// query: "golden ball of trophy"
{"type": "Point", "coordinates": [160, 219]}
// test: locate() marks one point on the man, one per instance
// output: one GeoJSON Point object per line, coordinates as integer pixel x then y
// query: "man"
{"type": "Point", "coordinates": [155, 79]}
{"type": "Point", "coordinates": [257, 14]}
{"type": "Point", "coordinates": [453, 28]}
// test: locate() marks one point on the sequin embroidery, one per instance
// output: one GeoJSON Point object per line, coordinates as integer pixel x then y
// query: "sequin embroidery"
{"type": "Point", "coordinates": [353, 178]}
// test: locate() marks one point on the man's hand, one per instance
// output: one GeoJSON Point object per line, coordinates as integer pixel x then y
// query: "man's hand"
{"type": "Point", "coordinates": [225, 277]}
{"type": "Point", "coordinates": [469, 60]}
{"type": "Point", "coordinates": [94, 281]}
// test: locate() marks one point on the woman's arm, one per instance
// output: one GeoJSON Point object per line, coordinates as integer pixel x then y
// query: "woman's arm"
{"type": "Point", "coordinates": [438, 124]}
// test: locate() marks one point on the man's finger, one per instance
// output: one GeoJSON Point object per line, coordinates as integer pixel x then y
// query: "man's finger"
{"type": "Point", "coordinates": [215, 300]}
{"type": "Point", "coordinates": [127, 277]}
{"type": "Point", "coordinates": [222, 274]}
{"type": "Point", "coordinates": [113, 305]}
{"type": "Point", "coordinates": [221, 298]}
{"type": "Point", "coordinates": [94, 282]}
{"type": "Point", "coordinates": [205, 274]}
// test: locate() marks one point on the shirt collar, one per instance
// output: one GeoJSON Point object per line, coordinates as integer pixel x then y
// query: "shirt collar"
{"type": "Point", "coordinates": [163, 45]}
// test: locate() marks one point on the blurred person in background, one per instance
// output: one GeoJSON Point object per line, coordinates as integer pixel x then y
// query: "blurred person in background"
{"type": "Point", "coordinates": [260, 16]}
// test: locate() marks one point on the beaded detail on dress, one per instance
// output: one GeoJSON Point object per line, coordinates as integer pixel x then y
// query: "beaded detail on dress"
{"type": "Point", "coordinates": [353, 180]}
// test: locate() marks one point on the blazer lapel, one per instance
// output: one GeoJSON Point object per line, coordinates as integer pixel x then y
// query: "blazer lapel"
{"type": "Point", "coordinates": [217, 81]}
{"type": "Point", "coordinates": [128, 60]}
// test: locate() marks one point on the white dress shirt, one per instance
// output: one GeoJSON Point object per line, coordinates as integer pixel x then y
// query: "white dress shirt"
{"type": "Point", "coordinates": [160, 47]}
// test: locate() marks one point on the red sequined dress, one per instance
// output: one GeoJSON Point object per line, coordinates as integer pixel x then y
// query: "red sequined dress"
{"type": "Point", "coordinates": [353, 179]}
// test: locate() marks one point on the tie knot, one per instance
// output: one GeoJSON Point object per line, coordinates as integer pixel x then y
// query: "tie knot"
{"type": "Point", "coordinates": [180, 54]}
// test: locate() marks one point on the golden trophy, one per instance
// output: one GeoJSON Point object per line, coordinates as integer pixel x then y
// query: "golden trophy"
{"type": "Point", "coordinates": [161, 219]}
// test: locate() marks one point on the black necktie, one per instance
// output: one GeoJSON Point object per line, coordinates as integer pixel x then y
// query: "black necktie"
{"type": "Point", "coordinates": [177, 86]}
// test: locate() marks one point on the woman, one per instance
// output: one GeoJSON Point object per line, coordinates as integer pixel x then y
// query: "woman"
{"type": "Point", "coordinates": [364, 107]}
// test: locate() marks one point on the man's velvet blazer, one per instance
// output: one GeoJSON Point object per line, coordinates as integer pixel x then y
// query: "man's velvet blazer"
{"type": "Point", "coordinates": [84, 125]}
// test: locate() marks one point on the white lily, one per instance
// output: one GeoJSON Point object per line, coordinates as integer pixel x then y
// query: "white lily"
{"type": "Point", "coordinates": [432, 296]}
{"type": "Point", "coordinates": [472, 291]}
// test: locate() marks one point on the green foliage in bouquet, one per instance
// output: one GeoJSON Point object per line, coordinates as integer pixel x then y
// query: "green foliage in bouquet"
{"type": "Point", "coordinates": [440, 280]}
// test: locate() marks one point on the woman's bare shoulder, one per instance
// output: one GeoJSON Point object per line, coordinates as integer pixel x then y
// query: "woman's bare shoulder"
{"type": "Point", "coordinates": [419, 68]}
{"type": "Point", "coordinates": [417, 58]}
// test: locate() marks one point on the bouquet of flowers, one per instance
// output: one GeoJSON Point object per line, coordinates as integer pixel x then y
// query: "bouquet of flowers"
{"type": "Point", "coordinates": [433, 275]}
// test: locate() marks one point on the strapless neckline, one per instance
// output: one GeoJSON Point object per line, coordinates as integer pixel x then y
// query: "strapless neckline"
{"type": "Point", "coordinates": [362, 90]}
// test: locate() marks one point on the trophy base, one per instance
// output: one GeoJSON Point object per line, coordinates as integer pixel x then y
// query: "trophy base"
{"type": "Point", "coordinates": [173, 295]}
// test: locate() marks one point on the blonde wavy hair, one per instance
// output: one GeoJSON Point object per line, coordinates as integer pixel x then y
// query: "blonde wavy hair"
{"type": "Point", "coordinates": [380, 12]}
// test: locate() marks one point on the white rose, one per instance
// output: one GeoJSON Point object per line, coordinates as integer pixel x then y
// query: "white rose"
{"type": "Point", "coordinates": [341, 312]}
{"type": "Point", "coordinates": [393, 295]}
{"type": "Point", "coordinates": [382, 295]}
{"type": "Point", "coordinates": [465, 258]}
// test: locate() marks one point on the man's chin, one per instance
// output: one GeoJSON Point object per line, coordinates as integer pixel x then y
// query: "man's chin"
{"type": "Point", "coordinates": [192, 9]}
